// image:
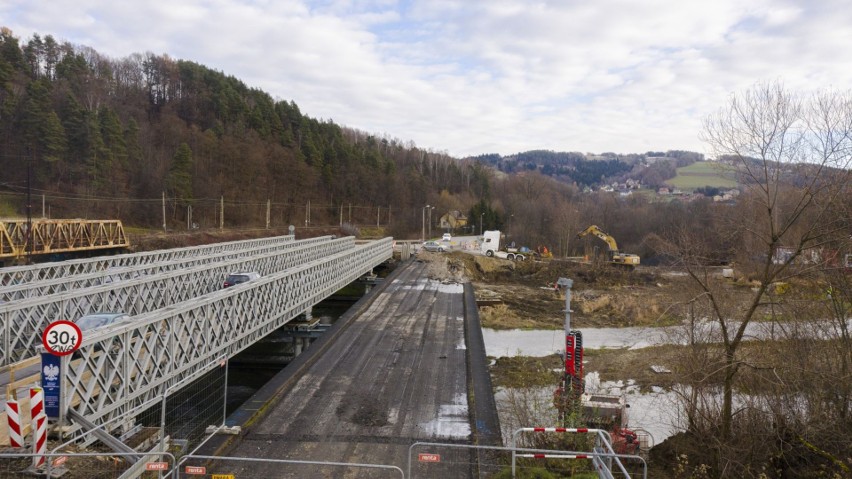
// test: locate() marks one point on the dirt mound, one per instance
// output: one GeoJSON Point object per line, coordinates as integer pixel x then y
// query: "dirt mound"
{"type": "Point", "coordinates": [447, 268]}
{"type": "Point", "coordinates": [603, 295]}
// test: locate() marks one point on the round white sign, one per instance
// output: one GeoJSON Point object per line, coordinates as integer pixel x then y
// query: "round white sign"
{"type": "Point", "coordinates": [62, 337]}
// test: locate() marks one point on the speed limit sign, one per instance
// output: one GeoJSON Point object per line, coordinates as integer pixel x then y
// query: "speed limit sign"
{"type": "Point", "coordinates": [62, 337]}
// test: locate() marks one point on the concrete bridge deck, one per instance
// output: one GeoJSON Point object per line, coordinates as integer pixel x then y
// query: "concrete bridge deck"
{"type": "Point", "coordinates": [393, 371]}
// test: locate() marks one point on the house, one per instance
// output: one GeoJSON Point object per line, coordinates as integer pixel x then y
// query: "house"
{"type": "Point", "coordinates": [663, 191]}
{"type": "Point", "coordinates": [453, 219]}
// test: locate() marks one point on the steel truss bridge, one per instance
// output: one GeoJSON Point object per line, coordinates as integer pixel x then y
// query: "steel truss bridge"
{"type": "Point", "coordinates": [183, 322]}
{"type": "Point", "coordinates": [19, 238]}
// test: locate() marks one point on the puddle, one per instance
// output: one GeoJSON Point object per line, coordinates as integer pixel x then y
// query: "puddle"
{"type": "Point", "coordinates": [654, 412]}
{"type": "Point", "coordinates": [452, 421]}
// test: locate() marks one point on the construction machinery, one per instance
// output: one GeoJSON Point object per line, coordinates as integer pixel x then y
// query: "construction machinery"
{"type": "Point", "coordinates": [605, 411]}
{"type": "Point", "coordinates": [615, 256]}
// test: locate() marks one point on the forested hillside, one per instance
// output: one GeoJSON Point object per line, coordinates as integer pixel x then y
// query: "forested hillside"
{"type": "Point", "coordinates": [108, 137]}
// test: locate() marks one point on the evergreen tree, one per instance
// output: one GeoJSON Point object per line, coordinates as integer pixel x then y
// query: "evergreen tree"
{"type": "Point", "coordinates": [96, 157]}
{"type": "Point", "coordinates": [37, 108]}
{"type": "Point", "coordinates": [134, 150]}
{"type": "Point", "coordinates": [179, 182]}
{"type": "Point", "coordinates": [54, 143]}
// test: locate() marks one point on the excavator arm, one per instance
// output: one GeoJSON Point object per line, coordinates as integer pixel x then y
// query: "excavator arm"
{"type": "Point", "coordinates": [609, 240]}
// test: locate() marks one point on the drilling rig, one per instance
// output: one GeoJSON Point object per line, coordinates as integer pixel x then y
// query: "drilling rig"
{"type": "Point", "coordinates": [605, 411]}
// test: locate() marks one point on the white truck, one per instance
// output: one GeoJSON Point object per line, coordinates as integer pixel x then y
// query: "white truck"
{"type": "Point", "coordinates": [490, 246]}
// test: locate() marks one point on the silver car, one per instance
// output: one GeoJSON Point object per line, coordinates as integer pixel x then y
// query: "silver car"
{"type": "Point", "coordinates": [434, 247]}
{"type": "Point", "coordinates": [99, 320]}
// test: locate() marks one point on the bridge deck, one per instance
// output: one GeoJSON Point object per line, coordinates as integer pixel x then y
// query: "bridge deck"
{"type": "Point", "coordinates": [387, 378]}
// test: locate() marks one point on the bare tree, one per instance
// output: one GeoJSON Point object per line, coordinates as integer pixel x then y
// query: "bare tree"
{"type": "Point", "coordinates": [792, 153]}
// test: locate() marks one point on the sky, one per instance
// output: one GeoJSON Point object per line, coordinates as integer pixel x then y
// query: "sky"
{"type": "Point", "coordinates": [470, 77]}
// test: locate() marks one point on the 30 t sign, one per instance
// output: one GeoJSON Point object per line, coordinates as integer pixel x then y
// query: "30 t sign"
{"type": "Point", "coordinates": [62, 337]}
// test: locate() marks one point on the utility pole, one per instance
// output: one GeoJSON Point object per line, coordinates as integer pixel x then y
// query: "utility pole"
{"type": "Point", "coordinates": [308, 214]}
{"type": "Point", "coordinates": [164, 212]}
{"type": "Point", "coordinates": [430, 220]}
{"type": "Point", "coordinates": [29, 239]}
{"type": "Point", "coordinates": [222, 212]}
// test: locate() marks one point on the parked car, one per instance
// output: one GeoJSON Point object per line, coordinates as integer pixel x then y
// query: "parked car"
{"type": "Point", "coordinates": [238, 278]}
{"type": "Point", "coordinates": [90, 322]}
{"type": "Point", "coordinates": [447, 237]}
{"type": "Point", "coordinates": [434, 246]}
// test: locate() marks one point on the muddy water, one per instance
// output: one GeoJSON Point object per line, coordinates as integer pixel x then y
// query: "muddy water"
{"type": "Point", "coordinates": [540, 342]}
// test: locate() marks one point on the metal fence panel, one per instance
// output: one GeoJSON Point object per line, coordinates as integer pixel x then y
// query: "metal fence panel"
{"type": "Point", "coordinates": [429, 460]}
{"type": "Point", "coordinates": [88, 465]}
{"type": "Point", "coordinates": [213, 467]}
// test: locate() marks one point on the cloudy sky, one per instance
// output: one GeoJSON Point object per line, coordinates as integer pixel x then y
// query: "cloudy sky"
{"type": "Point", "coordinates": [482, 76]}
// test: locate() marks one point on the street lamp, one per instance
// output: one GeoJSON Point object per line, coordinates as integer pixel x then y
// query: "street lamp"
{"type": "Point", "coordinates": [430, 220]}
{"type": "Point", "coordinates": [423, 223]}
{"type": "Point", "coordinates": [482, 215]}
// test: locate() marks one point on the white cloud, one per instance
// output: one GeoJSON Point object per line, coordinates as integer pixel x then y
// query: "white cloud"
{"type": "Point", "coordinates": [481, 76]}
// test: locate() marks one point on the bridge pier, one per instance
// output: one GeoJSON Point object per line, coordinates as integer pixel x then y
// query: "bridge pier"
{"type": "Point", "coordinates": [370, 279]}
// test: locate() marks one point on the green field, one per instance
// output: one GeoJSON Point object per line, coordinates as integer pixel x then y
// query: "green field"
{"type": "Point", "coordinates": [704, 173]}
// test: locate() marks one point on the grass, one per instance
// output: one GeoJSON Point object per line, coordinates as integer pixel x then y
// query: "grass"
{"type": "Point", "coordinates": [704, 173]}
{"type": "Point", "coordinates": [8, 210]}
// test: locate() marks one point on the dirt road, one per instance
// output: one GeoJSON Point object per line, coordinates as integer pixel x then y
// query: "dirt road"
{"type": "Point", "coordinates": [397, 376]}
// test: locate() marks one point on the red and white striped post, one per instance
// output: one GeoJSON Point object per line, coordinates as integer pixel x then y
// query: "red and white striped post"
{"type": "Point", "coordinates": [13, 412]}
{"type": "Point", "coordinates": [36, 402]}
{"type": "Point", "coordinates": [39, 439]}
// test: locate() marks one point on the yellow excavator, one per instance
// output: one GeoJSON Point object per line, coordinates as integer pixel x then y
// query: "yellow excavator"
{"type": "Point", "coordinates": [615, 256]}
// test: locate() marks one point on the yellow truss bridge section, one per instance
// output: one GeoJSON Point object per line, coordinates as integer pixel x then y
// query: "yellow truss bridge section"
{"type": "Point", "coordinates": [59, 236]}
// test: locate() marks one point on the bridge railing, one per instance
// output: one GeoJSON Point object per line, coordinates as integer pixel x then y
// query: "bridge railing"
{"type": "Point", "coordinates": [24, 321]}
{"type": "Point", "coordinates": [130, 367]}
{"type": "Point", "coordinates": [69, 284]}
{"type": "Point", "coordinates": [46, 271]}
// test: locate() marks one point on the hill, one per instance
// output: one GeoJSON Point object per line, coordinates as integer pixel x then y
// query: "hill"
{"type": "Point", "coordinates": [592, 170]}
{"type": "Point", "coordinates": [704, 173]}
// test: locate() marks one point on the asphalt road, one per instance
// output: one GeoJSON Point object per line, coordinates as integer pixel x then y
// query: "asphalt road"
{"type": "Point", "coordinates": [395, 376]}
